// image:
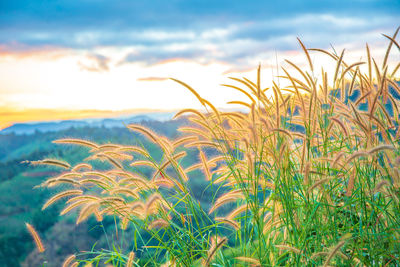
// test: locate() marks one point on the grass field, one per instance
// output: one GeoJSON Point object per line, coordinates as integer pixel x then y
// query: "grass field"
{"type": "Point", "coordinates": [306, 175]}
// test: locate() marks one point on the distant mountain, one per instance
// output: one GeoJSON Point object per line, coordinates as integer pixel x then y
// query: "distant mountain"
{"type": "Point", "coordinates": [54, 126]}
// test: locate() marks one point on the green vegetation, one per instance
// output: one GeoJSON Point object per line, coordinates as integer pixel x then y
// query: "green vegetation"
{"type": "Point", "coordinates": [21, 200]}
{"type": "Point", "coordinates": [307, 176]}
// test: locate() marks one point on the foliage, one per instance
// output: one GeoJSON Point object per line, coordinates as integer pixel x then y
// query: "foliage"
{"type": "Point", "coordinates": [20, 204]}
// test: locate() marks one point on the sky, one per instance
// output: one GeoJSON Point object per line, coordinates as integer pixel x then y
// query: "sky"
{"type": "Point", "coordinates": [69, 59]}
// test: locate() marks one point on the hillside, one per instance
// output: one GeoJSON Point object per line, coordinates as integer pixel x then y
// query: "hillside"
{"type": "Point", "coordinates": [20, 202]}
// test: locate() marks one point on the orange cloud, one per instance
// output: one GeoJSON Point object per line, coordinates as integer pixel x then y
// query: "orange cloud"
{"type": "Point", "coordinates": [152, 79]}
{"type": "Point", "coordinates": [48, 52]}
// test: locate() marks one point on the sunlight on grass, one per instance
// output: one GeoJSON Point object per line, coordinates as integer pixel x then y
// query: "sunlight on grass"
{"type": "Point", "coordinates": [307, 176]}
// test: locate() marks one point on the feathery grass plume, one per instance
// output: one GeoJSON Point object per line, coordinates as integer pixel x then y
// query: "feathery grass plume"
{"type": "Point", "coordinates": [216, 112]}
{"type": "Point", "coordinates": [240, 103]}
{"type": "Point", "coordinates": [74, 205]}
{"type": "Point", "coordinates": [98, 215]}
{"type": "Point", "coordinates": [350, 183]}
{"type": "Point", "coordinates": [340, 123]}
{"type": "Point", "coordinates": [125, 191]}
{"type": "Point", "coordinates": [333, 252]}
{"type": "Point", "coordinates": [203, 144]}
{"type": "Point", "coordinates": [353, 80]}
{"type": "Point", "coordinates": [82, 166]}
{"type": "Point", "coordinates": [111, 200]}
{"type": "Point", "coordinates": [152, 203]}
{"type": "Point", "coordinates": [194, 167]}
{"type": "Point", "coordinates": [392, 41]}
{"type": "Point", "coordinates": [339, 63]}
{"type": "Point", "coordinates": [200, 133]}
{"type": "Point", "coordinates": [307, 173]}
{"type": "Point", "coordinates": [69, 260]}
{"type": "Point", "coordinates": [362, 98]}
{"type": "Point", "coordinates": [76, 142]}
{"type": "Point", "coordinates": [380, 185]}
{"type": "Point", "coordinates": [159, 223]}
{"type": "Point", "coordinates": [139, 182]}
{"type": "Point", "coordinates": [205, 168]}
{"type": "Point", "coordinates": [86, 211]}
{"type": "Point", "coordinates": [118, 155]}
{"type": "Point", "coordinates": [36, 238]}
{"type": "Point", "coordinates": [201, 100]}
{"type": "Point", "coordinates": [144, 163]}
{"type": "Point", "coordinates": [83, 197]}
{"type": "Point", "coordinates": [109, 147]}
{"type": "Point", "coordinates": [300, 84]}
{"type": "Point", "coordinates": [169, 263]}
{"type": "Point", "coordinates": [319, 254]}
{"type": "Point", "coordinates": [248, 84]}
{"type": "Point", "coordinates": [61, 195]}
{"type": "Point", "coordinates": [380, 148]}
{"type": "Point", "coordinates": [230, 222]}
{"type": "Point", "coordinates": [96, 182]}
{"type": "Point", "coordinates": [113, 161]}
{"type": "Point", "coordinates": [307, 54]}
{"type": "Point", "coordinates": [62, 181]}
{"type": "Point", "coordinates": [64, 175]}
{"type": "Point", "coordinates": [135, 149]}
{"type": "Point", "coordinates": [190, 110]}
{"type": "Point", "coordinates": [326, 253]}
{"type": "Point", "coordinates": [102, 176]}
{"type": "Point", "coordinates": [242, 91]}
{"type": "Point", "coordinates": [387, 116]}
{"type": "Point", "coordinates": [213, 249]}
{"type": "Point", "coordinates": [146, 132]}
{"type": "Point", "coordinates": [171, 160]}
{"type": "Point", "coordinates": [249, 260]}
{"type": "Point", "coordinates": [395, 70]}
{"type": "Point", "coordinates": [228, 197]}
{"type": "Point", "coordinates": [52, 162]}
{"type": "Point", "coordinates": [212, 161]}
{"type": "Point", "coordinates": [183, 140]}
{"type": "Point", "coordinates": [337, 158]}
{"type": "Point", "coordinates": [286, 132]}
{"type": "Point", "coordinates": [348, 69]}
{"type": "Point", "coordinates": [357, 155]}
{"type": "Point", "coordinates": [318, 183]}
{"type": "Point", "coordinates": [131, 257]}
{"type": "Point", "coordinates": [290, 248]}
{"type": "Point", "coordinates": [137, 205]}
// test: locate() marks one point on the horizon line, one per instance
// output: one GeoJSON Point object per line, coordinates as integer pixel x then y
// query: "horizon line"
{"type": "Point", "coordinates": [10, 116]}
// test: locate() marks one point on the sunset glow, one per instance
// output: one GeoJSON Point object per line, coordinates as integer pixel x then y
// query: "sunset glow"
{"type": "Point", "coordinates": [103, 69]}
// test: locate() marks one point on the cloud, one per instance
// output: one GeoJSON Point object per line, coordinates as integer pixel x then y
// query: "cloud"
{"type": "Point", "coordinates": [246, 44]}
{"type": "Point", "coordinates": [235, 32]}
{"type": "Point", "coordinates": [95, 63]}
{"type": "Point", "coordinates": [152, 79]}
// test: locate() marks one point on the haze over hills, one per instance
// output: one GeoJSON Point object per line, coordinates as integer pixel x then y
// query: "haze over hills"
{"type": "Point", "coordinates": [118, 122]}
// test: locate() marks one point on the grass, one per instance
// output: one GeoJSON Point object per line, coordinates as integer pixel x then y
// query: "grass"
{"type": "Point", "coordinates": [308, 175]}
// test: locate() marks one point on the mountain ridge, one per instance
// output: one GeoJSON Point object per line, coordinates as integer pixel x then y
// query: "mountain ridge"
{"type": "Point", "coordinates": [58, 125]}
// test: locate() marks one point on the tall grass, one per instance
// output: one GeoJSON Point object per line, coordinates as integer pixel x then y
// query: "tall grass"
{"type": "Point", "coordinates": [307, 175]}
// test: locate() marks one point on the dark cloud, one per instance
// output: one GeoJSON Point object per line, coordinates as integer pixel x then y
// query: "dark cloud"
{"type": "Point", "coordinates": [228, 30]}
